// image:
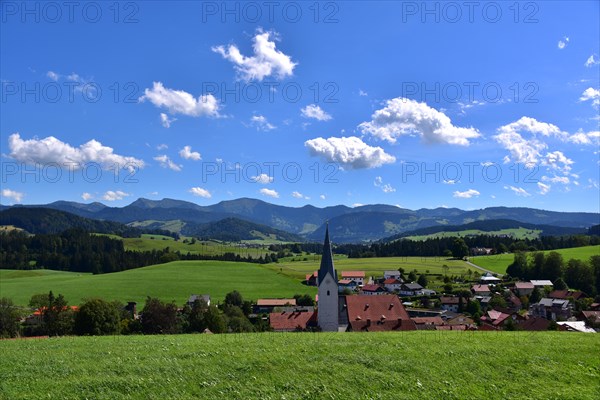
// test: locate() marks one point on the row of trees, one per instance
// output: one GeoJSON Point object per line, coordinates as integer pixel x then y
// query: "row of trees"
{"type": "Point", "coordinates": [79, 251]}
{"type": "Point", "coordinates": [100, 317]}
{"type": "Point", "coordinates": [577, 274]}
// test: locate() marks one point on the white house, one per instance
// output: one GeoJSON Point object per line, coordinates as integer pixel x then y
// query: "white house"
{"type": "Point", "coordinates": [392, 274]}
{"type": "Point", "coordinates": [356, 276]}
{"type": "Point", "coordinates": [392, 285]}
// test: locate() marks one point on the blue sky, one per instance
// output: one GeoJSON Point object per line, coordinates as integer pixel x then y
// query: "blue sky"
{"type": "Point", "coordinates": [407, 103]}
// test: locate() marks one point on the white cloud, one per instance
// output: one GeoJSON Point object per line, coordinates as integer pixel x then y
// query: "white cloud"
{"type": "Point", "coordinates": [200, 192]}
{"type": "Point", "coordinates": [518, 191]}
{"type": "Point", "coordinates": [162, 146]}
{"type": "Point", "coordinates": [562, 43]}
{"type": "Point", "coordinates": [378, 181]}
{"type": "Point", "coordinates": [592, 184]}
{"type": "Point", "coordinates": [591, 61]}
{"type": "Point", "coordinates": [533, 126]}
{"type": "Point", "coordinates": [115, 195]}
{"type": "Point", "coordinates": [403, 116]}
{"type": "Point", "coordinates": [267, 60]}
{"type": "Point", "coordinates": [357, 205]}
{"type": "Point", "coordinates": [557, 161]}
{"type": "Point", "coordinates": [50, 150]}
{"type": "Point", "coordinates": [315, 112]}
{"type": "Point", "coordinates": [386, 188]}
{"type": "Point", "coordinates": [450, 182]}
{"type": "Point", "coordinates": [269, 193]}
{"type": "Point", "coordinates": [261, 123]}
{"type": "Point", "coordinates": [86, 196]}
{"type": "Point", "coordinates": [351, 152]}
{"type": "Point", "coordinates": [13, 195]}
{"type": "Point", "coordinates": [591, 94]}
{"type": "Point", "coordinates": [299, 195]}
{"type": "Point", "coordinates": [543, 188]}
{"type": "Point", "coordinates": [166, 162]}
{"type": "Point", "coordinates": [187, 154]}
{"type": "Point", "coordinates": [181, 102]}
{"type": "Point", "coordinates": [362, 93]}
{"type": "Point", "coordinates": [263, 179]}
{"type": "Point", "coordinates": [322, 197]}
{"type": "Point", "coordinates": [166, 121]}
{"type": "Point", "coordinates": [557, 179]}
{"type": "Point", "coordinates": [53, 75]}
{"type": "Point", "coordinates": [467, 194]}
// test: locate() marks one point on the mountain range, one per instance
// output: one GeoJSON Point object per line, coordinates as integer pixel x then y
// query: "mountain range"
{"type": "Point", "coordinates": [346, 224]}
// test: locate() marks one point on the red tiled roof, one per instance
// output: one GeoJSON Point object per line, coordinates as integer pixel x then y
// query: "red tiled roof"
{"type": "Point", "coordinates": [313, 275]}
{"type": "Point", "coordinates": [39, 311]}
{"type": "Point", "coordinates": [524, 285]}
{"type": "Point", "coordinates": [449, 300]}
{"type": "Point", "coordinates": [564, 294]}
{"type": "Point", "coordinates": [480, 288]}
{"type": "Point", "coordinates": [371, 288]}
{"type": "Point", "coordinates": [535, 324]}
{"type": "Point", "coordinates": [451, 328]}
{"type": "Point", "coordinates": [391, 281]}
{"type": "Point", "coordinates": [353, 274]}
{"type": "Point", "coordinates": [345, 282]}
{"type": "Point", "coordinates": [286, 321]}
{"type": "Point", "coordinates": [591, 314]}
{"type": "Point", "coordinates": [275, 302]}
{"type": "Point", "coordinates": [377, 313]}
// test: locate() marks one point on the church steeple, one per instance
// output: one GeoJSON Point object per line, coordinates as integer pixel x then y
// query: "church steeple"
{"type": "Point", "coordinates": [328, 312]}
{"type": "Point", "coordinates": [327, 259]}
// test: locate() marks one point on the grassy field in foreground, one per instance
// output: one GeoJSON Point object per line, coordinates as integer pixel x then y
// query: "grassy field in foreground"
{"type": "Point", "coordinates": [407, 365]}
{"type": "Point", "coordinates": [499, 262]}
{"type": "Point", "coordinates": [172, 281]}
{"type": "Point", "coordinates": [374, 266]}
{"type": "Point", "coordinates": [516, 233]}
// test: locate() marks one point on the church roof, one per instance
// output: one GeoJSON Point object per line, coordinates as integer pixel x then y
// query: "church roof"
{"type": "Point", "coordinates": [327, 260]}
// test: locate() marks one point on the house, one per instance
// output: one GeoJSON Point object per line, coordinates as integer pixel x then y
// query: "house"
{"type": "Point", "coordinates": [411, 289]}
{"type": "Point", "coordinates": [481, 251]}
{"type": "Point", "coordinates": [495, 318]}
{"type": "Point", "coordinates": [565, 294]}
{"type": "Point", "coordinates": [483, 301]}
{"type": "Point", "coordinates": [392, 285]}
{"type": "Point", "coordinates": [576, 326]}
{"type": "Point", "coordinates": [481, 290]}
{"type": "Point", "coordinates": [356, 276]}
{"type": "Point", "coordinates": [450, 303]}
{"type": "Point", "coordinates": [372, 290]}
{"type": "Point", "coordinates": [551, 309]}
{"type": "Point", "coordinates": [524, 288]}
{"type": "Point", "coordinates": [346, 284]}
{"type": "Point", "coordinates": [541, 283]}
{"type": "Point", "coordinates": [513, 302]}
{"type": "Point", "coordinates": [489, 278]}
{"type": "Point", "coordinates": [461, 319]}
{"type": "Point", "coordinates": [311, 279]}
{"type": "Point", "coordinates": [265, 306]}
{"type": "Point", "coordinates": [592, 318]}
{"type": "Point", "coordinates": [427, 323]}
{"type": "Point", "coordinates": [392, 274]}
{"type": "Point", "coordinates": [532, 323]}
{"type": "Point", "coordinates": [204, 297]}
{"type": "Point", "coordinates": [292, 321]}
{"type": "Point", "coordinates": [377, 313]}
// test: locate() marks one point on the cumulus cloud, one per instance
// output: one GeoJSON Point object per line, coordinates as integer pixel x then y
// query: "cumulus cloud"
{"type": "Point", "coordinates": [263, 178]}
{"type": "Point", "coordinates": [591, 61]}
{"type": "Point", "coordinates": [591, 94]}
{"type": "Point", "coordinates": [557, 179]}
{"type": "Point", "coordinates": [269, 193]}
{"type": "Point", "coordinates": [519, 191]}
{"type": "Point", "coordinates": [315, 112]}
{"type": "Point", "coordinates": [115, 195]}
{"type": "Point", "coordinates": [403, 116]}
{"type": "Point", "coordinates": [261, 124]}
{"type": "Point", "coordinates": [467, 194]}
{"type": "Point", "coordinates": [200, 192]}
{"type": "Point", "coordinates": [266, 61]}
{"type": "Point", "coordinates": [544, 189]}
{"type": "Point", "coordinates": [322, 197]}
{"type": "Point", "coordinates": [386, 188]}
{"type": "Point", "coordinates": [556, 160]}
{"type": "Point", "coordinates": [562, 43]}
{"type": "Point", "coordinates": [86, 196]}
{"type": "Point", "coordinates": [181, 102]}
{"type": "Point", "coordinates": [187, 154]}
{"type": "Point", "coordinates": [299, 195]}
{"type": "Point", "coordinates": [166, 162]}
{"type": "Point", "coordinates": [351, 152]}
{"type": "Point", "coordinates": [166, 121]}
{"type": "Point", "coordinates": [162, 146]}
{"type": "Point", "coordinates": [13, 195]}
{"type": "Point", "coordinates": [52, 75]}
{"type": "Point", "coordinates": [50, 150]}
{"type": "Point", "coordinates": [362, 93]}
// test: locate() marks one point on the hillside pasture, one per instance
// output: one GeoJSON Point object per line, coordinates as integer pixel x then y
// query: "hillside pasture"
{"type": "Point", "coordinates": [515, 233]}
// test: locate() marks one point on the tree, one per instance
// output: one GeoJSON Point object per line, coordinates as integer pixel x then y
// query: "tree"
{"type": "Point", "coordinates": [412, 276]}
{"type": "Point", "coordinates": [98, 317]}
{"type": "Point", "coordinates": [535, 296]}
{"type": "Point", "coordinates": [579, 275]}
{"type": "Point", "coordinates": [213, 318]}
{"type": "Point", "coordinates": [58, 316]}
{"type": "Point", "coordinates": [518, 268]}
{"type": "Point", "coordinates": [559, 284]}
{"type": "Point", "coordinates": [39, 301]}
{"type": "Point", "coordinates": [159, 317]}
{"type": "Point", "coordinates": [473, 307]}
{"type": "Point", "coordinates": [595, 264]}
{"type": "Point", "coordinates": [304, 300]}
{"type": "Point", "coordinates": [422, 280]}
{"type": "Point", "coordinates": [234, 299]}
{"type": "Point", "coordinates": [497, 301]}
{"type": "Point", "coordinates": [553, 266]}
{"type": "Point", "coordinates": [9, 319]}
{"type": "Point", "coordinates": [459, 248]}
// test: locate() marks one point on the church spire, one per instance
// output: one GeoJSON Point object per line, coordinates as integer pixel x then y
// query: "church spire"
{"type": "Point", "coordinates": [327, 259]}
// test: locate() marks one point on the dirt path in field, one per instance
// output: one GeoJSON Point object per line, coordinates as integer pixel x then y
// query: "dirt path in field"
{"type": "Point", "coordinates": [482, 269]}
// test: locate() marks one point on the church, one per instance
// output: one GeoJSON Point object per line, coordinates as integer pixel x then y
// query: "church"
{"type": "Point", "coordinates": [359, 313]}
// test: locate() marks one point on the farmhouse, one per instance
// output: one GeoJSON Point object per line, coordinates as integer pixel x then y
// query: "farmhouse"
{"type": "Point", "coordinates": [311, 279]}
{"type": "Point", "coordinates": [264, 306]}
{"type": "Point", "coordinates": [565, 294]}
{"type": "Point", "coordinates": [356, 276]}
{"type": "Point", "coordinates": [427, 323]}
{"type": "Point", "coordinates": [524, 288]}
{"type": "Point", "coordinates": [489, 278]}
{"type": "Point", "coordinates": [392, 284]}
{"type": "Point", "coordinates": [344, 284]}
{"type": "Point", "coordinates": [377, 313]}
{"type": "Point", "coordinates": [411, 289]}
{"type": "Point", "coordinates": [551, 309]}
{"type": "Point", "coordinates": [292, 321]}
{"type": "Point", "coordinates": [541, 283]}
{"type": "Point", "coordinates": [372, 290]}
{"type": "Point", "coordinates": [392, 274]}
{"type": "Point", "coordinates": [481, 290]}
{"type": "Point", "coordinates": [450, 303]}
{"type": "Point", "coordinates": [204, 297]}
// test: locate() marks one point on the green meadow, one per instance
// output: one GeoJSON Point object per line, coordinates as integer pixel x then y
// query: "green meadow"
{"type": "Point", "coordinates": [172, 281]}
{"type": "Point", "coordinates": [391, 365]}
{"type": "Point", "coordinates": [516, 233]}
{"type": "Point", "coordinates": [499, 262]}
{"type": "Point", "coordinates": [205, 247]}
